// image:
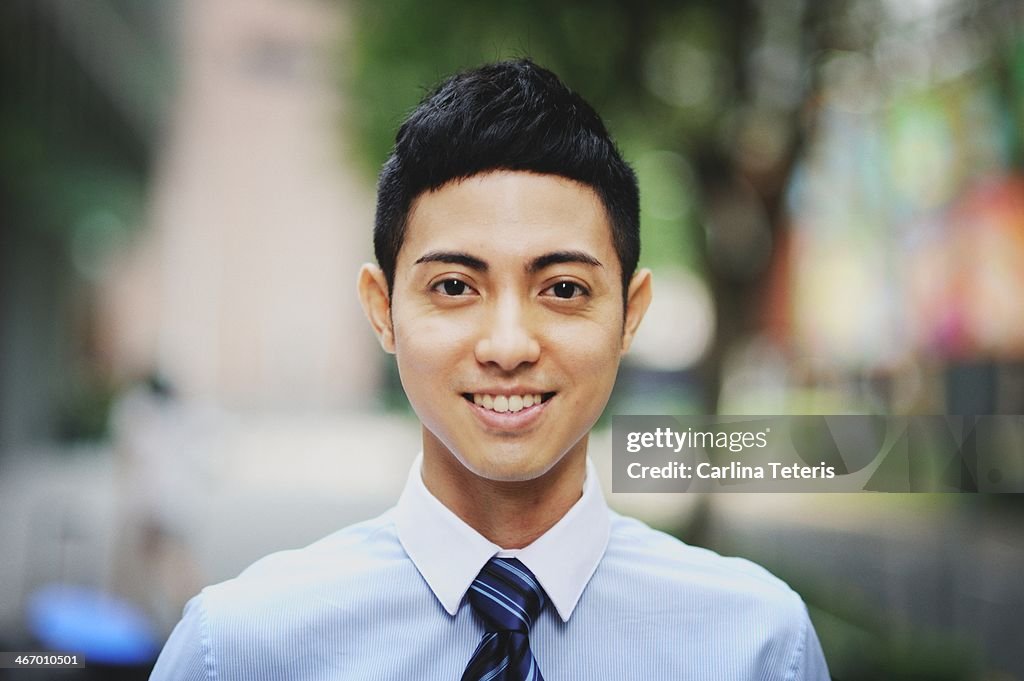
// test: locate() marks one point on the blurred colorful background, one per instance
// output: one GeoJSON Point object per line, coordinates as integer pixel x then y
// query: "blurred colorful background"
{"type": "Point", "coordinates": [832, 204]}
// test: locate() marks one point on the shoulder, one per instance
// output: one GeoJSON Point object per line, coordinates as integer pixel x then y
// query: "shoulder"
{"type": "Point", "coordinates": [290, 599]}
{"type": "Point", "coordinates": [660, 555]}
{"type": "Point", "coordinates": [339, 580]}
{"type": "Point", "coordinates": [342, 563]}
{"type": "Point", "coordinates": [682, 603]}
{"type": "Point", "coordinates": [654, 562]}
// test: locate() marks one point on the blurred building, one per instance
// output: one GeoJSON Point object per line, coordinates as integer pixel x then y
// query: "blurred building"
{"type": "Point", "coordinates": [85, 86]}
{"type": "Point", "coordinates": [241, 288]}
{"type": "Point", "coordinates": [175, 201]}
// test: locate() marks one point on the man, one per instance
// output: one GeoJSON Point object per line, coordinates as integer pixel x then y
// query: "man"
{"type": "Point", "coordinates": [507, 237]}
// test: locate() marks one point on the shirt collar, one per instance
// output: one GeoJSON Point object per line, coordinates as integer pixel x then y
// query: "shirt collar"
{"type": "Point", "coordinates": [450, 554]}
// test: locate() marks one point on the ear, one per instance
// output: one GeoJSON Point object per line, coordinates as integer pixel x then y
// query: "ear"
{"type": "Point", "coordinates": [372, 286]}
{"type": "Point", "coordinates": [638, 299]}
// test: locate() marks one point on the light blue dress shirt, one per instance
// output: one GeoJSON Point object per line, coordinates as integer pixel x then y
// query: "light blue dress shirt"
{"type": "Point", "coordinates": [383, 599]}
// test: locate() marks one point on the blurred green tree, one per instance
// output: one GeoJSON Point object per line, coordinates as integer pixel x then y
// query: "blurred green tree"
{"type": "Point", "coordinates": [702, 97]}
{"type": "Point", "coordinates": [83, 89]}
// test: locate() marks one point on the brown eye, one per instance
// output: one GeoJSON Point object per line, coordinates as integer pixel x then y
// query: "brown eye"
{"type": "Point", "coordinates": [452, 287]}
{"type": "Point", "coordinates": [567, 289]}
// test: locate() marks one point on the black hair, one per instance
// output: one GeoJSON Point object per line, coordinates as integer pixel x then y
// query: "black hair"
{"type": "Point", "coordinates": [511, 115]}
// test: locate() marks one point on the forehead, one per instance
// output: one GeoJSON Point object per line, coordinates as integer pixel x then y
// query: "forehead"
{"type": "Point", "coordinates": [509, 215]}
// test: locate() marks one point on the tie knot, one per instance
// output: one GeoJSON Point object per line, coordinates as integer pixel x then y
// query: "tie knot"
{"type": "Point", "coordinates": [506, 596]}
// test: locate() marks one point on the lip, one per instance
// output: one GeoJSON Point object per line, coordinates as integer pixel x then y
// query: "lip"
{"type": "Point", "coordinates": [509, 391]}
{"type": "Point", "coordinates": [509, 421]}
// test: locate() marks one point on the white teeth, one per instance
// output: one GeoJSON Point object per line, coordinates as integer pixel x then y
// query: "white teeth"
{"type": "Point", "coordinates": [506, 403]}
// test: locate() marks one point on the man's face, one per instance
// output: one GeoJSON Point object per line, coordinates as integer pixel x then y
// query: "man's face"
{"type": "Point", "coordinates": [507, 320]}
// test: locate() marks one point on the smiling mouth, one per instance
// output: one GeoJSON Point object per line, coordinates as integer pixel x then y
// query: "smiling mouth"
{"type": "Point", "coordinates": [507, 403]}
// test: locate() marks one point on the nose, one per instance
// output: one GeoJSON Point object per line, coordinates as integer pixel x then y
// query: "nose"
{"type": "Point", "coordinates": [508, 340]}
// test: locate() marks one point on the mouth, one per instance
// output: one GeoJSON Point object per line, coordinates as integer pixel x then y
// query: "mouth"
{"type": "Point", "coordinates": [503, 404]}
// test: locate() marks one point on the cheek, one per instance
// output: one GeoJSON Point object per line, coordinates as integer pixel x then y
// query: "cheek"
{"type": "Point", "coordinates": [589, 352]}
{"type": "Point", "coordinates": [430, 346]}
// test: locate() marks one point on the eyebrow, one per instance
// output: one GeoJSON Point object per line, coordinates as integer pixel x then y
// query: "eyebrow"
{"type": "Point", "coordinates": [454, 258]}
{"type": "Point", "coordinates": [561, 257]}
{"type": "Point", "coordinates": [536, 265]}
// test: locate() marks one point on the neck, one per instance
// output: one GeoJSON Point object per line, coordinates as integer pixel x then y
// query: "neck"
{"type": "Point", "coordinates": [511, 514]}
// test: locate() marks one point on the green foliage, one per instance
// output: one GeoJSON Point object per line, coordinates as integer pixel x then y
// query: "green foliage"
{"type": "Point", "coordinates": [66, 150]}
{"type": "Point", "coordinates": [403, 47]}
{"type": "Point", "coordinates": [634, 63]}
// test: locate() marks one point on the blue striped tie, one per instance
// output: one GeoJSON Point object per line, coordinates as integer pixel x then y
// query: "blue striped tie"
{"type": "Point", "coordinates": [507, 598]}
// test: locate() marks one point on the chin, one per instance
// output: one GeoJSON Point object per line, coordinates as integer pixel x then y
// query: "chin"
{"type": "Point", "coordinates": [508, 468]}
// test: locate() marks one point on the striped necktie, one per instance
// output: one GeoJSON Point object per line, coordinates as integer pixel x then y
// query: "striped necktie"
{"type": "Point", "coordinates": [507, 598]}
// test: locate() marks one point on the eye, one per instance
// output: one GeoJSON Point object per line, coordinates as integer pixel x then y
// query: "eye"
{"type": "Point", "coordinates": [567, 290]}
{"type": "Point", "coordinates": [452, 287]}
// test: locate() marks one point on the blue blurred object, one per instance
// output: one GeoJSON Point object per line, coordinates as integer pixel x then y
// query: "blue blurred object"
{"type": "Point", "coordinates": [101, 627]}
